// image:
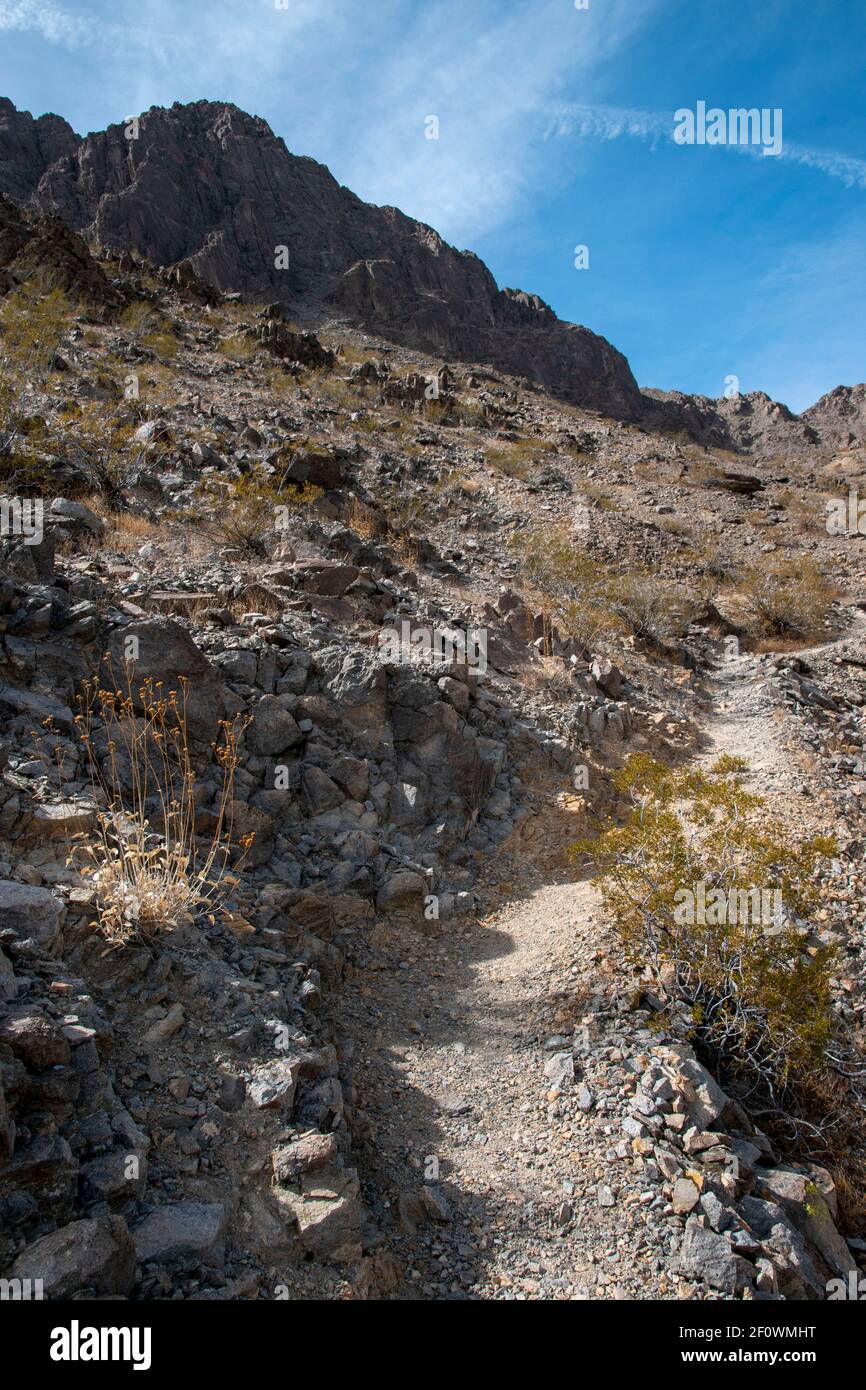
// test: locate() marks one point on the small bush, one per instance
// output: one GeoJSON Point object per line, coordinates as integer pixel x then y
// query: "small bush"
{"type": "Point", "coordinates": [567, 582]}
{"type": "Point", "coordinates": [100, 448]}
{"type": "Point", "coordinates": [32, 327]}
{"type": "Point", "coordinates": [649, 607]}
{"type": "Point", "coordinates": [146, 863]}
{"type": "Point", "coordinates": [758, 992]}
{"type": "Point", "coordinates": [788, 597]}
{"type": "Point", "coordinates": [243, 513]}
{"type": "Point", "coordinates": [239, 347]}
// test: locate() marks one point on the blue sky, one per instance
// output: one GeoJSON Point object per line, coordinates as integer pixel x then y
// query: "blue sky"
{"type": "Point", "coordinates": [554, 131]}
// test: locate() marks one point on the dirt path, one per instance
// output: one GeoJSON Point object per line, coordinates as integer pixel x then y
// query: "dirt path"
{"type": "Point", "coordinates": [538, 1204]}
{"type": "Point", "coordinates": [529, 1193]}
{"type": "Point", "coordinates": [746, 723]}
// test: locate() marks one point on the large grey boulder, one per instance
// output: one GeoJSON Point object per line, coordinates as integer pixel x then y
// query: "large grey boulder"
{"type": "Point", "coordinates": [183, 1232]}
{"type": "Point", "coordinates": [272, 729]}
{"type": "Point", "coordinates": [707, 1255]}
{"type": "Point", "coordinates": [35, 1039]}
{"type": "Point", "coordinates": [94, 1256]}
{"type": "Point", "coordinates": [796, 1270]}
{"type": "Point", "coordinates": [32, 913]}
{"type": "Point", "coordinates": [160, 649]}
{"type": "Point", "coordinates": [77, 514]}
{"type": "Point", "coordinates": [327, 1211]}
{"type": "Point", "coordinates": [320, 792]}
{"type": "Point", "coordinates": [799, 1196]}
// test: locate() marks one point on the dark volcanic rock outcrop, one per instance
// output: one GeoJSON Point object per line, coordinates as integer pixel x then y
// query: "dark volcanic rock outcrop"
{"type": "Point", "coordinates": [211, 191]}
{"type": "Point", "coordinates": [208, 184]}
{"type": "Point", "coordinates": [839, 418]}
{"type": "Point", "coordinates": [751, 423]}
{"type": "Point", "coordinates": [28, 147]}
{"type": "Point", "coordinates": [41, 248]}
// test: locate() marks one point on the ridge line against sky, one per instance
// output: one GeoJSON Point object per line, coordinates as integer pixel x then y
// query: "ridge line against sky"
{"type": "Point", "coordinates": [555, 131]}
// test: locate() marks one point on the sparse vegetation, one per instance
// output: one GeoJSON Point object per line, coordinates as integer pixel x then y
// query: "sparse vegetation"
{"type": "Point", "coordinates": [149, 869]}
{"type": "Point", "coordinates": [241, 513]}
{"type": "Point", "coordinates": [582, 599]}
{"type": "Point", "coordinates": [32, 327]}
{"type": "Point", "coordinates": [788, 597]}
{"type": "Point", "coordinates": [649, 607]}
{"type": "Point", "coordinates": [101, 448]}
{"type": "Point", "coordinates": [758, 993]}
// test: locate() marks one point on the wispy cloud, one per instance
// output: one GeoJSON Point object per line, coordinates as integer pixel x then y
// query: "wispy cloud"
{"type": "Point", "coordinates": [612, 122]}
{"type": "Point", "coordinates": [50, 20]}
{"type": "Point", "coordinates": [851, 172]}
{"type": "Point", "coordinates": [353, 83]}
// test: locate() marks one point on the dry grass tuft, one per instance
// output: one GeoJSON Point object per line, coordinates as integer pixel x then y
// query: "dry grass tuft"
{"type": "Point", "coordinates": [146, 864]}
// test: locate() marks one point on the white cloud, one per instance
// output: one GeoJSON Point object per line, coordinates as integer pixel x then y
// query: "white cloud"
{"type": "Point", "coordinates": [851, 172]}
{"type": "Point", "coordinates": [45, 18]}
{"type": "Point", "coordinates": [352, 82]}
{"type": "Point", "coordinates": [611, 122]}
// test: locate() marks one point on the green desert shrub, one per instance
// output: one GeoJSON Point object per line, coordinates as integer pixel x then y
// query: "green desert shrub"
{"type": "Point", "coordinates": [679, 880]}
{"type": "Point", "coordinates": [788, 597]}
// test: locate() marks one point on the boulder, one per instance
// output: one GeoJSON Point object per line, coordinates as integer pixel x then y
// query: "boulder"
{"type": "Point", "coordinates": [328, 577]}
{"type": "Point", "coordinates": [35, 1039]}
{"type": "Point", "coordinates": [798, 1195]}
{"type": "Point", "coordinates": [31, 913]}
{"type": "Point", "coordinates": [187, 1233]}
{"type": "Point", "coordinates": [250, 821]}
{"type": "Point", "coordinates": [273, 1085]}
{"type": "Point", "coordinates": [162, 650]}
{"type": "Point", "coordinates": [310, 1153]}
{"type": "Point", "coordinates": [404, 891]}
{"type": "Point", "coordinates": [795, 1268]}
{"type": "Point", "coordinates": [559, 1071]}
{"type": "Point", "coordinates": [707, 1255]}
{"type": "Point", "coordinates": [113, 1179]}
{"type": "Point", "coordinates": [272, 729]}
{"type": "Point", "coordinates": [353, 775]}
{"type": "Point", "coordinates": [316, 470]}
{"type": "Point", "coordinates": [704, 1096]}
{"type": "Point", "coordinates": [76, 513]}
{"type": "Point", "coordinates": [94, 1257]}
{"type": "Point", "coordinates": [327, 1212]}
{"type": "Point", "coordinates": [607, 677]}
{"type": "Point", "coordinates": [320, 792]}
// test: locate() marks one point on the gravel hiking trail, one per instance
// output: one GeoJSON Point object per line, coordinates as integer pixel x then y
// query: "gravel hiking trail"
{"type": "Point", "coordinates": [486, 1180]}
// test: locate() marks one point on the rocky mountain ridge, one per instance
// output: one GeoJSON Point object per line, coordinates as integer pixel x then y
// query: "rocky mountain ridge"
{"type": "Point", "coordinates": [207, 184]}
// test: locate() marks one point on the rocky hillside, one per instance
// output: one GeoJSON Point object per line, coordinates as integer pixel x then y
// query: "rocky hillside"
{"type": "Point", "coordinates": [209, 185]}
{"type": "Point", "coordinates": [399, 1051]}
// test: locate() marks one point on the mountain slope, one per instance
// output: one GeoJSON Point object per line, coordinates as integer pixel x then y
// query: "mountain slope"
{"type": "Point", "coordinates": [207, 184]}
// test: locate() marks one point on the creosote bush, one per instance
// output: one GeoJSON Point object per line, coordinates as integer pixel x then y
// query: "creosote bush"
{"type": "Point", "coordinates": [582, 599]}
{"type": "Point", "coordinates": [150, 870]}
{"type": "Point", "coordinates": [243, 512]}
{"type": "Point", "coordinates": [649, 607]}
{"type": "Point", "coordinates": [566, 581]}
{"type": "Point", "coordinates": [32, 327]}
{"type": "Point", "coordinates": [788, 597]}
{"type": "Point", "coordinates": [101, 447]}
{"type": "Point", "coordinates": [758, 991]}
